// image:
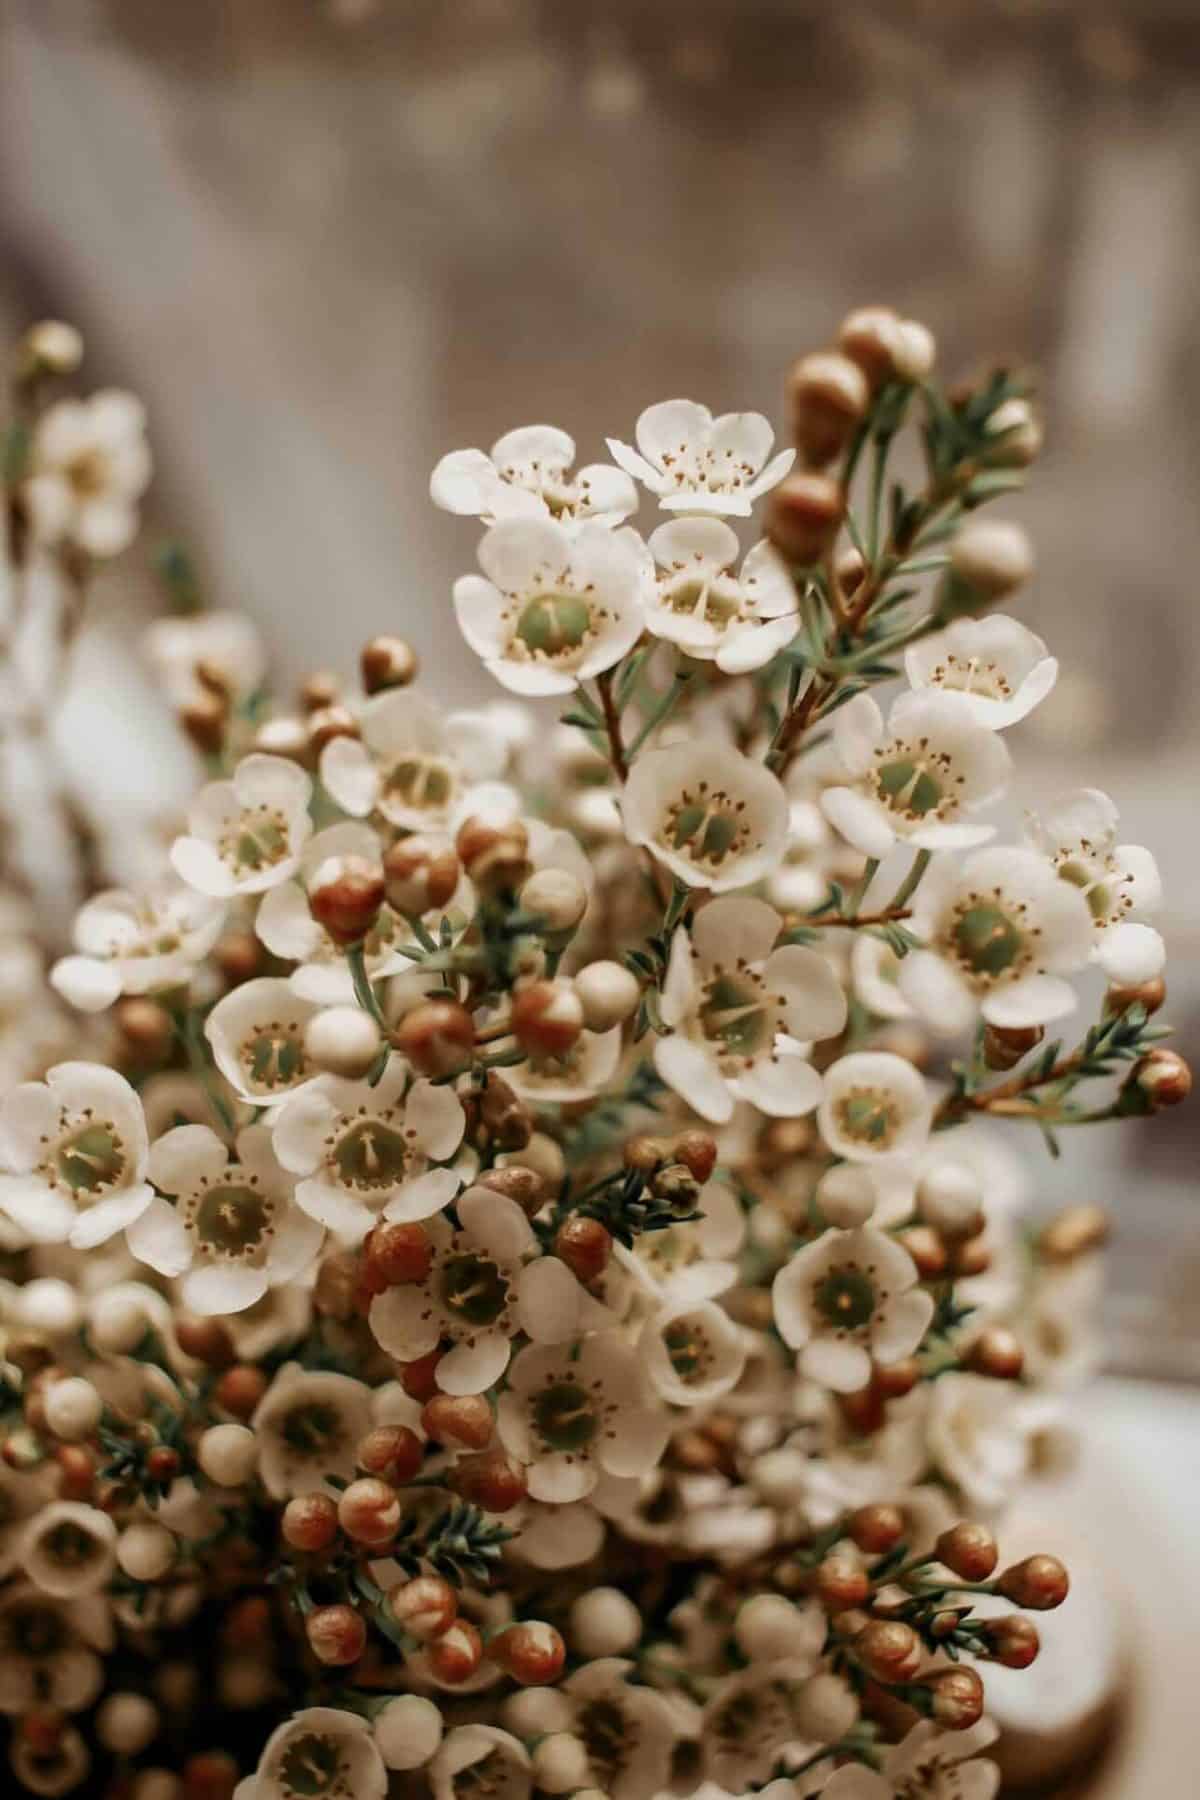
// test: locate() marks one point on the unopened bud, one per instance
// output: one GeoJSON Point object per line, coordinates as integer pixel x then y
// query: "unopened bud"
{"type": "Point", "coordinates": [503, 1115]}
{"type": "Point", "coordinates": [496, 857]}
{"type": "Point", "coordinates": [828, 394]}
{"type": "Point", "coordinates": [996, 1352]}
{"type": "Point", "coordinates": [387, 662]}
{"type": "Point", "coordinates": [50, 347]}
{"type": "Point", "coordinates": [840, 1583]}
{"type": "Point", "coordinates": [1076, 1231]}
{"type": "Point", "coordinates": [532, 1652]}
{"type": "Point", "coordinates": [328, 723]}
{"type": "Point", "coordinates": [392, 1452]}
{"type": "Point", "coordinates": [425, 1606]}
{"type": "Point", "coordinates": [337, 1635]}
{"type": "Point", "coordinates": [956, 1698]}
{"type": "Point", "coordinates": [697, 1151]}
{"type": "Point", "coordinates": [464, 1419]}
{"type": "Point", "coordinates": [1005, 1045]}
{"type": "Point", "coordinates": [420, 875]}
{"type": "Point", "coordinates": [518, 1183]}
{"type": "Point", "coordinates": [1011, 1640]}
{"type": "Point", "coordinates": [490, 1479]}
{"type": "Point", "coordinates": [950, 1198]}
{"type": "Point", "coordinates": [804, 515]}
{"type": "Point", "coordinates": [1016, 433]}
{"type": "Point", "coordinates": [992, 557]}
{"type": "Point", "coordinates": [927, 1250]}
{"type": "Point", "coordinates": [1163, 1078]}
{"type": "Point", "coordinates": [968, 1550]}
{"type": "Point", "coordinates": [585, 1245]}
{"type": "Point", "coordinates": [205, 720]}
{"type": "Point", "coordinates": [876, 1529]}
{"type": "Point", "coordinates": [889, 1650]}
{"type": "Point", "coordinates": [309, 1522]}
{"type": "Point", "coordinates": [369, 1512]}
{"type": "Point", "coordinates": [556, 899]}
{"type": "Point", "coordinates": [870, 337]}
{"type": "Point", "coordinates": [397, 1252]}
{"type": "Point", "coordinates": [1039, 1582]}
{"type": "Point", "coordinates": [320, 689]}
{"type": "Point", "coordinates": [547, 1017]}
{"type": "Point", "coordinates": [437, 1037]}
{"type": "Point", "coordinates": [345, 896]}
{"type": "Point", "coordinates": [608, 993]}
{"type": "Point", "coordinates": [342, 1040]}
{"type": "Point", "coordinates": [285, 737]}
{"type": "Point", "coordinates": [455, 1655]}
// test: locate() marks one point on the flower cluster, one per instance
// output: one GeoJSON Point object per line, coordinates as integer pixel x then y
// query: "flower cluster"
{"type": "Point", "coordinates": [507, 1286]}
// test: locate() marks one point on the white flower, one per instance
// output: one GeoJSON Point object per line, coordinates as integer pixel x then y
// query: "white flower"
{"type": "Point", "coordinates": [48, 1649]}
{"type": "Point", "coordinates": [558, 1537]}
{"type": "Point", "coordinates": [875, 1105]}
{"type": "Point", "coordinates": [696, 1259]}
{"type": "Point", "coordinates": [364, 1151]}
{"type": "Point", "coordinates": [980, 1434]}
{"type": "Point", "coordinates": [196, 653]}
{"type": "Point", "coordinates": [928, 1765]}
{"type": "Point", "coordinates": [528, 475]}
{"type": "Point", "coordinates": [875, 970]}
{"type": "Point", "coordinates": [696, 601]}
{"type": "Point", "coordinates": [579, 1074]}
{"type": "Point", "coordinates": [752, 1719]}
{"type": "Point", "coordinates": [321, 1753]}
{"type": "Point", "coordinates": [696, 463]}
{"type": "Point", "coordinates": [76, 1145]}
{"type": "Point", "coordinates": [995, 667]}
{"type": "Point", "coordinates": [245, 835]}
{"type": "Point", "coordinates": [629, 1731]}
{"type": "Point", "coordinates": [490, 1762]}
{"type": "Point", "coordinates": [1001, 931]}
{"type": "Point", "coordinates": [257, 1038]}
{"type": "Point", "coordinates": [486, 1283]}
{"type": "Point", "coordinates": [694, 1352]}
{"type": "Point", "coordinates": [414, 763]}
{"type": "Point", "coordinates": [914, 778]}
{"type": "Point", "coordinates": [571, 1412]}
{"type": "Point", "coordinates": [309, 1423]}
{"type": "Point", "coordinates": [715, 818]}
{"type": "Point", "coordinates": [553, 606]}
{"type": "Point", "coordinates": [742, 1013]}
{"type": "Point", "coordinates": [1119, 882]}
{"type": "Point", "coordinates": [90, 465]}
{"type": "Point", "coordinates": [137, 943]}
{"type": "Point", "coordinates": [234, 1230]}
{"type": "Point", "coordinates": [287, 928]}
{"type": "Point", "coordinates": [69, 1549]}
{"type": "Point", "coordinates": [848, 1298]}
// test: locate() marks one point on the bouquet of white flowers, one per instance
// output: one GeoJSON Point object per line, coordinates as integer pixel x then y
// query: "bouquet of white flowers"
{"type": "Point", "coordinates": [524, 1286]}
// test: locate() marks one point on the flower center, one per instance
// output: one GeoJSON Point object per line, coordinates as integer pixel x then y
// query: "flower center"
{"type": "Point", "coordinates": [273, 1055]}
{"type": "Point", "coordinates": [493, 1777]}
{"type": "Point", "coordinates": [868, 1115]}
{"type": "Point", "coordinates": [714, 598]}
{"type": "Point", "coordinates": [1104, 900]}
{"type": "Point", "coordinates": [233, 1220]}
{"type": "Point", "coordinates": [689, 1350]}
{"type": "Point", "coordinates": [845, 1298]}
{"type": "Point", "coordinates": [734, 1012]}
{"type": "Point", "coordinates": [371, 1155]}
{"type": "Point", "coordinates": [88, 474]}
{"type": "Point", "coordinates": [312, 1428]}
{"type": "Point", "coordinates": [473, 1289]}
{"type": "Point", "coordinates": [608, 1736]}
{"type": "Point", "coordinates": [70, 1546]}
{"type": "Point", "coordinates": [707, 824]}
{"type": "Point", "coordinates": [422, 783]}
{"type": "Point", "coordinates": [913, 785]}
{"type": "Point", "coordinates": [563, 1416]}
{"type": "Point", "coordinates": [91, 1159]}
{"type": "Point", "coordinates": [35, 1632]}
{"type": "Point", "coordinates": [312, 1765]}
{"type": "Point", "coordinates": [553, 625]}
{"type": "Point", "coordinates": [259, 839]}
{"type": "Point", "coordinates": [986, 939]}
{"type": "Point", "coordinates": [971, 675]}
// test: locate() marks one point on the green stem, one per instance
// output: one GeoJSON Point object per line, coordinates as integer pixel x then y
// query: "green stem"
{"type": "Point", "coordinates": [364, 992]}
{"type": "Point", "coordinates": [665, 706]}
{"type": "Point", "coordinates": [868, 875]}
{"type": "Point", "coordinates": [912, 880]}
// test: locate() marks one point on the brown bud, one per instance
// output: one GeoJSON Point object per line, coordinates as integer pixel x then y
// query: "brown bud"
{"type": "Point", "coordinates": [804, 515]}
{"type": "Point", "coordinates": [828, 394]}
{"type": "Point", "coordinates": [387, 662]}
{"type": "Point", "coordinates": [329, 723]}
{"type": "Point", "coordinates": [677, 1186]}
{"type": "Point", "coordinates": [927, 1250]}
{"type": "Point", "coordinates": [420, 875]}
{"type": "Point", "coordinates": [464, 1419]}
{"type": "Point", "coordinates": [1150, 994]}
{"type": "Point", "coordinates": [206, 1340]}
{"type": "Point", "coordinates": [956, 1698]}
{"type": "Point", "coordinates": [1076, 1231]}
{"type": "Point", "coordinates": [309, 1522]}
{"type": "Point", "coordinates": [496, 857]}
{"type": "Point", "coordinates": [850, 567]}
{"type": "Point", "coordinates": [968, 1550]}
{"type": "Point", "coordinates": [369, 1512]}
{"type": "Point", "coordinates": [1039, 1582]}
{"type": "Point", "coordinates": [455, 1655]}
{"type": "Point", "coordinates": [1011, 1640]}
{"type": "Point", "coordinates": [585, 1245]}
{"type": "Point", "coordinates": [205, 719]}
{"type": "Point", "coordinates": [392, 1452]}
{"type": "Point", "coordinates": [645, 1153]}
{"type": "Point", "coordinates": [396, 1253]}
{"type": "Point", "coordinates": [335, 1288]}
{"type": "Point", "coordinates": [531, 1651]}
{"type": "Point", "coordinates": [518, 1183]}
{"type": "Point", "coordinates": [1163, 1077]}
{"type": "Point", "coordinates": [889, 1649]}
{"type": "Point", "coordinates": [547, 1017]}
{"type": "Point", "coordinates": [490, 1479]}
{"type": "Point", "coordinates": [425, 1606]}
{"type": "Point", "coordinates": [840, 1583]}
{"type": "Point", "coordinates": [419, 1378]}
{"type": "Point", "coordinates": [997, 1352]}
{"type": "Point", "coordinates": [320, 689]}
{"type": "Point", "coordinates": [971, 1257]}
{"type": "Point", "coordinates": [337, 1635]}
{"type": "Point", "coordinates": [145, 1026]}
{"type": "Point", "coordinates": [876, 1529]}
{"type": "Point", "coordinates": [163, 1463]}
{"type": "Point", "coordinates": [864, 1410]}
{"type": "Point", "coordinates": [781, 1141]}
{"type": "Point", "coordinates": [285, 737]}
{"type": "Point", "coordinates": [345, 897]}
{"type": "Point", "coordinates": [240, 1389]}
{"type": "Point", "coordinates": [505, 1117]}
{"type": "Point", "coordinates": [894, 1380]}
{"type": "Point", "coordinates": [437, 1037]}
{"type": "Point", "coordinates": [869, 337]}
{"type": "Point", "coordinates": [1005, 1045]}
{"type": "Point", "coordinates": [238, 955]}
{"type": "Point", "coordinates": [76, 1471]}
{"type": "Point", "coordinates": [212, 1775]}
{"type": "Point", "coordinates": [697, 1150]}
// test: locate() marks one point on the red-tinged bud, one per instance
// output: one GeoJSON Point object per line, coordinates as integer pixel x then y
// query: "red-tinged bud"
{"type": "Point", "coordinates": [496, 857]}
{"type": "Point", "coordinates": [420, 875]}
{"type": "Point", "coordinates": [1039, 1582]}
{"type": "Point", "coordinates": [1163, 1078]}
{"type": "Point", "coordinates": [212, 1775]}
{"type": "Point", "coordinates": [490, 1479]}
{"type": "Point", "coordinates": [419, 1379]}
{"type": "Point", "coordinates": [163, 1463]}
{"type": "Point", "coordinates": [645, 1153]}
{"type": "Point", "coordinates": [841, 1583]}
{"type": "Point", "coordinates": [369, 1512]}
{"type": "Point", "coordinates": [337, 1635]}
{"type": "Point", "coordinates": [956, 1698]}
{"type": "Point", "coordinates": [1151, 994]}
{"type": "Point", "coordinates": [309, 1522]}
{"type": "Point", "coordinates": [345, 896]}
{"type": "Point", "coordinates": [396, 1253]}
{"type": "Point", "coordinates": [503, 1115]}
{"type": "Point", "coordinates": [804, 516]}
{"type": "Point", "coordinates": [889, 1650]}
{"type": "Point", "coordinates": [437, 1037]}
{"type": "Point", "coordinates": [240, 1389]}
{"type": "Point", "coordinates": [425, 1607]}
{"type": "Point", "coordinates": [392, 1452]}
{"type": "Point", "coordinates": [207, 1341]}
{"type": "Point", "coordinates": [76, 1471]}
{"type": "Point", "coordinates": [532, 1652]}
{"type": "Point", "coordinates": [457, 1653]}
{"type": "Point", "coordinates": [926, 1249]}
{"type": "Point", "coordinates": [894, 1380]}
{"type": "Point", "coordinates": [330, 722]}
{"type": "Point", "coordinates": [876, 1529]}
{"type": "Point", "coordinates": [863, 1411]}
{"type": "Point", "coordinates": [829, 394]}
{"type": "Point", "coordinates": [461, 1419]}
{"type": "Point", "coordinates": [585, 1245]}
{"type": "Point", "coordinates": [547, 1017]}
{"type": "Point", "coordinates": [968, 1550]}
{"type": "Point", "coordinates": [238, 955]}
{"type": "Point", "coordinates": [320, 689]}
{"type": "Point", "coordinates": [525, 1186]}
{"type": "Point", "coordinates": [1004, 1046]}
{"type": "Point", "coordinates": [697, 1150]}
{"type": "Point", "coordinates": [387, 662]}
{"type": "Point", "coordinates": [1012, 1640]}
{"type": "Point", "coordinates": [870, 337]}
{"type": "Point", "coordinates": [997, 1352]}
{"type": "Point", "coordinates": [974, 1257]}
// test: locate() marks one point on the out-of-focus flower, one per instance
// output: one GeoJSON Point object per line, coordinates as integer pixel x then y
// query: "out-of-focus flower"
{"type": "Point", "coordinates": [137, 944]}
{"type": "Point", "coordinates": [89, 467]}
{"type": "Point", "coordinates": [246, 835]}
{"type": "Point", "coordinates": [76, 1147]}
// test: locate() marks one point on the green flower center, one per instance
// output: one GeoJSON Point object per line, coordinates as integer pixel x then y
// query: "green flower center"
{"type": "Point", "coordinates": [552, 625]}
{"type": "Point", "coordinates": [845, 1298]}
{"type": "Point", "coordinates": [564, 1417]}
{"type": "Point", "coordinates": [733, 1013]}
{"type": "Point", "coordinates": [693, 597]}
{"type": "Point", "coordinates": [311, 1765]}
{"type": "Point", "coordinates": [273, 1057]}
{"type": "Point", "coordinates": [688, 1349]}
{"type": "Point", "coordinates": [473, 1289]}
{"type": "Point", "coordinates": [868, 1115]}
{"type": "Point", "coordinates": [425, 783]}
{"type": "Point", "coordinates": [908, 787]}
{"type": "Point", "coordinates": [987, 940]}
{"type": "Point", "coordinates": [708, 825]}
{"type": "Point", "coordinates": [1101, 899]}
{"type": "Point", "coordinates": [91, 1158]}
{"type": "Point", "coordinates": [259, 840]}
{"type": "Point", "coordinates": [371, 1155]}
{"type": "Point", "coordinates": [233, 1219]}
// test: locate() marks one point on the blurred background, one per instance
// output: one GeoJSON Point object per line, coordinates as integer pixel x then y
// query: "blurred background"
{"type": "Point", "coordinates": [327, 240]}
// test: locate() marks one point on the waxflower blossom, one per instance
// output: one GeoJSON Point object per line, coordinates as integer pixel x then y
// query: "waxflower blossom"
{"type": "Point", "coordinates": [309, 1424]}
{"type": "Point", "coordinates": [875, 1107]}
{"type": "Point", "coordinates": [137, 944]}
{"type": "Point", "coordinates": [480, 1759]}
{"type": "Point", "coordinates": [1001, 933]}
{"type": "Point", "coordinates": [69, 1549]}
{"type": "Point", "coordinates": [257, 1038]}
{"type": "Point", "coordinates": [285, 924]}
{"type": "Point", "coordinates": [418, 767]}
{"type": "Point", "coordinates": [981, 1434]}
{"type": "Point", "coordinates": [696, 1259]}
{"type": "Point", "coordinates": [928, 1765]}
{"type": "Point", "coordinates": [913, 779]}
{"type": "Point", "coordinates": [321, 1751]}
{"type": "Point", "coordinates": [233, 1230]}
{"type": "Point", "coordinates": [246, 834]}
{"type": "Point", "coordinates": [741, 1013]}
{"type": "Point", "coordinates": [528, 474]}
{"type": "Point", "coordinates": [363, 1151]}
{"type": "Point", "coordinates": [1119, 882]}
{"type": "Point", "coordinates": [695, 600]}
{"type": "Point", "coordinates": [197, 654]}
{"type": "Point", "coordinates": [846, 1299]}
{"type": "Point", "coordinates": [751, 1719]}
{"type": "Point", "coordinates": [694, 1352]}
{"type": "Point", "coordinates": [89, 467]}
{"type": "Point", "coordinates": [48, 1649]}
{"type": "Point", "coordinates": [570, 1413]}
{"type": "Point", "coordinates": [714, 818]}
{"type": "Point", "coordinates": [76, 1149]}
{"type": "Point", "coordinates": [996, 667]}
{"type": "Point", "coordinates": [553, 607]}
{"type": "Point", "coordinates": [486, 1283]}
{"type": "Point", "coordinates": [696, 463]}
{"type": "Point", "coordinates": [629, 1731]}
{"type": "Point", "coordinates": [571, 1076]}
